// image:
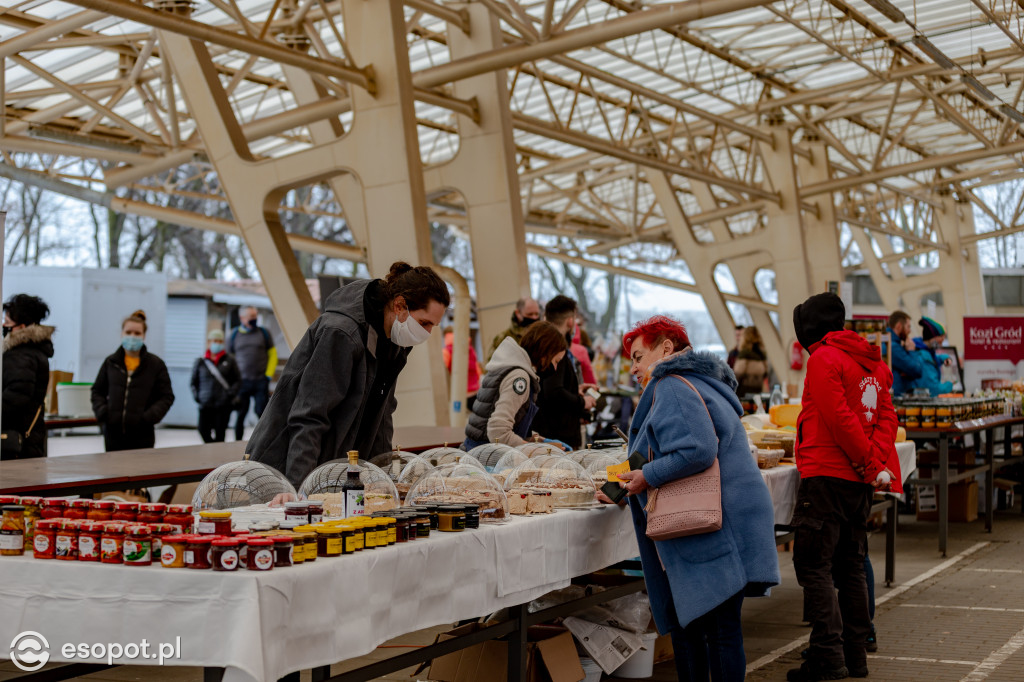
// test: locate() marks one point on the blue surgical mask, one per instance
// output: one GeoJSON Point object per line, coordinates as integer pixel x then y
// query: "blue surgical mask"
{"type": "Point", "coordinates": [132, 344]}
{"type": "Point", "coordinates": [216, 348]}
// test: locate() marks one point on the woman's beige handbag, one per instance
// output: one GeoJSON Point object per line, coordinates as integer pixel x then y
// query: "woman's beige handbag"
{"type": "Point", "coordinates": [686, 506]}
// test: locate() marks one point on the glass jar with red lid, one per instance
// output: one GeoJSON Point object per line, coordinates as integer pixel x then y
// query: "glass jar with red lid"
{"type": "Point", "coordinates": [214, 522]}
{"type": "Point", "coordinates": [284, 545]}
{"type": "Point", "coordinates": [102, 510]}
{"type": "Point", "coordinates": [180, 515]}
{"type": "Point", "coordinates": [260, 556]}
{"type": "Point", "coordinates": [152, 512]}
{"type": "Point", "coordinates": [67, 540]}
{"type": "Point", "coordinates": [52, 508]}
{"type": "Point", "coordinates": [126, 511]}
{"type": "Point", "coordinates": [138, 545]}
{"type": "Point", "coordinates": [44, 544]}
{"type": "Point", "coordinates": [78, 509]}
{"type": "Point", "coordinates": [224, 555]}
{"type": "Point", "coordinates": [90, 537]}
{"type": "Point", "coordinates": [159, 532]}
{"type": "Point", "coordinates": [112, 543]}
{"type": "Point", "coordinates": [197, 551]}
{"type": "Point", "coordinates": [9, 499]}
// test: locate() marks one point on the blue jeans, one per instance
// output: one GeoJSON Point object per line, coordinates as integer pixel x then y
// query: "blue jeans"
{"type": "Point", "coordinates": [712, 644]}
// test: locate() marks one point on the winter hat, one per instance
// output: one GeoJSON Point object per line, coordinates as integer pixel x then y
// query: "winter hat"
{"type": "Point", "coordinates": [817, 316]}
{"type": "Point", "coordinates": [931, 328]}
{"type": "Point", "coordinates": [215, 335]}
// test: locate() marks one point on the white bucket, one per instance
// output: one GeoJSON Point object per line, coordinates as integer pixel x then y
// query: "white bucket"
{"type": "Point", "coordinates": [640, 664]}
{"type": "Point", "coordinates": [74, 399]}
{"type": "Point", "coordinates": [591, 668]}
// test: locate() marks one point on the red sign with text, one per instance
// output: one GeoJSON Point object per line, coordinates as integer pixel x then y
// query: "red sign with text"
{"type": "Point", "coordinates": [994, 338]}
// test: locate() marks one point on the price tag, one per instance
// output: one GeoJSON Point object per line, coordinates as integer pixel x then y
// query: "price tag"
{"type": "Point", "coordinates": [615, 470]}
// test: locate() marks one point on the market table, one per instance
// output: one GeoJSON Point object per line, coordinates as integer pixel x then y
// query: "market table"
{"type": "Point", "coordinates": [988, 426]}
{"type": "Point", "coordinates": [101, 472]}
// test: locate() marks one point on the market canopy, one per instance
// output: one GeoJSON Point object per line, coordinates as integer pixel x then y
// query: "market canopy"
{"type": "Point", "coordinates": [661, 140]}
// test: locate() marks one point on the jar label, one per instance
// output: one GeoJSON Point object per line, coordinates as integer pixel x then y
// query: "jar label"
{"type": "Point", "coordinates": [334, 545]}
{"type": "Point", "coordinates": [42, 543]}
{"type": "Point", "coordinates": [110, 549]}
{"type": "Point", "coordinates": [229, 559]}
{"type": "Point", "coordinates": [178, 530]}
{"type": "Point", "coordinates": [168, 554]}
{"type": "Point", "coordinates": [206, 528]}
{"type": "Point", "coordinates": [291, 554]}
{"type": "Point", "coordinates": [137, 551]}
{"type": "Point", "coordinates": [15, 541]}
{"type": "Point", "coordinates": [64, 545]}
{"type": "Point", "coordinates": [350, 544]}
{"type": "Point", "coordinates": [264, 559]}
{"type": "Point", "coordinates": [87, 548]}
{"type": "Point", "coordinates": [316, 518]}
{"type": "Point", "coordinates": [353, 503]}
{"type": "Point", "coordinates": [392, 536]}
{"type": "Point", "coordinates": [190, 557]}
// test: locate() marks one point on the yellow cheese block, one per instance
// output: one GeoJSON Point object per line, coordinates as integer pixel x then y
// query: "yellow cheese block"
{"type": "Point", "coordinates": [784, 415]}
{"type": "Point", "coordinates": [901, 434]}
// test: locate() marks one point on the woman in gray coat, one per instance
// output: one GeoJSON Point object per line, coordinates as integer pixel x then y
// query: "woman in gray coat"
{"type": "Point", "coordinates": [337, 392]}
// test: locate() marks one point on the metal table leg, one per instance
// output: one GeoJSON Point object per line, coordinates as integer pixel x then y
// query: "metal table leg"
{"type": "Point", "coordinates": [990, 474]}
{"type": "Point", "coordinates": [322, 673]}
{"type": "Point", "coordinates": [890, 542]}
{"type": "Point", "coordinates": [517, 645]}
{"type": "Point", "coordinates": [213, 674]}
{"type": "Point", "coordinates": [942, 494]}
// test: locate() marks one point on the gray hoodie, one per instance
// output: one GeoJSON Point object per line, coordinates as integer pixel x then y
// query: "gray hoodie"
{"type": "Point", "coordinates": [317, 410]}
{"type": "Point", "coordinates": [508, 385]}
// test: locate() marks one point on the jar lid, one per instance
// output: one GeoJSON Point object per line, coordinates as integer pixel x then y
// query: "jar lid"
{"type": "Point", "coordinates": [13, 508]}
{"type": "Point", "coordinates": [30, 501]}
{"type": "Point", "coordinates": [282, 539]}
{"type": "Point", "coordinates": [454, 508]}
{"type": "Point", "coordinates": [202, 539]}
{"type": "Point", "coordinates": [91, 526]}
{"type": "Point", "coordinates": [70, 524]}
{"type": "Point", "coordinates": [127, 506]}
{"type": "Point", "coordinates": [470, 507]}
{"type": "Point", "coordinates": [139, 529]}
{"type": "Point", "coordinates": [114, 527]}
{"type": "Point", "coordinates": [162, 527]}
{"type": "Point", "coordinates": [47, 524]}
{"type": "Point", "coordinates": [81, 504]}
{"type": "Point", "coordinates": [226, 542]}
{"type": "Point", "coordinates": [330, 529]}
{"type": "Point", "coordinates": [215, 514]}
{"type": "Point", "coordinates": [104, 505]}
{"type": "Point", "coordinates": [175, 538]}
{"type": "Point", "coordinates": [313, 503]}
{"type": "Point", "coordinates": [260, 542]}
{"type": "Point", "coordinates": [296, 505]}
{"type": "Point", "coordinates": [54, 502]}
{"type": "Point", "coordinates": [179, 508]}
{"type": "Point", "coordinates": [153, 507]}
{"type": "Point", "coordinates": [9, 499]}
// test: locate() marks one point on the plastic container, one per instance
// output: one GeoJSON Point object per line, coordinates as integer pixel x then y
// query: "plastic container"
{"type": "Point", "coordinates": [641, 664]}
{"type": "Point", "coordinates": [75, 399]}
{"type": "Point", "coordinates": [591, 669]}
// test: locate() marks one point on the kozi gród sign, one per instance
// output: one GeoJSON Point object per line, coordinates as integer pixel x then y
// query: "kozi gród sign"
{"type": "Point", "coordinates": [994, 338]}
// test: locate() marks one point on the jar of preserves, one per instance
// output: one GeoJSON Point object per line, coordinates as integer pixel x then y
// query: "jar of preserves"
{"type": "Point", "coordinates": [391, 524]}
{"type": "Point", "coordinates": [329, 541]}
{"type": "Point", "coordinates": [9, 499]}
{"type": "Point", "coordinates": [414, 526]}
{"type": "Point", "coordinates": [316, 510]}
{"type": "Point", "coordinates": [296, 514]}
{"type": "Point", "coordinates": [90, 537]}
{"type": "Point", "coordinates": [225, 554]}
{"type": "Point", "coordinates": [78, 509]}
{"type": "Point", "coordinates": [451, 519]}
{"type": "Point", "coordinates": [214, 523]}
{"type": "Point", "coordinates": [67, 540]}
{"type": "Point", "coordinates": [172, 551]}
{"type": "Point", "coordinates": [159, 531]}
{"type": "Point", "coordinates": [284, 547]}
{"type": "Point", "coordinates": [424, 523]}
{"type": "Point", "coordinates": [309, 543]}
{"type": "Point", "coordinates": [152, 512]}
{"type": "Point", "coordinates": [260, 555]}
{"type": "Point", "coordinates": [401, 528]}
{"type": "Point", "coordinates": [434, 511]}
{"type": "Point", "coordinates": [44, 544]}
{"type": "Point", "coordinates": [126, 511]}
{"type": "Point", "coordinates": [198, 551]}
{"type": "Point", "coordinates": [472, 515]}
{"type": "Point", "coordinates": [112, 543]}
{"type": "Point", "coordinates": [138, 546]}
{"type": "Point", "coordinates": [180, 516]}
{"type": "Point", "coordinates": [102, 510]}
{"type": "Point", "coordinates": [52, 508]}
{"type": "Point", "coordinates": [12, 530]}
{"type": "Point", "coordinates": [31, 505]}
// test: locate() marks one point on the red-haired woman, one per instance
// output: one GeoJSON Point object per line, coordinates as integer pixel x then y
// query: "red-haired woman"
{"type": "Point", "coordinates": [697, 583]}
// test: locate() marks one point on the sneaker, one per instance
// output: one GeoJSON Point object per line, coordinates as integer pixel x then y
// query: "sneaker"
{"type": "Point", "coordinates": [856, 671]}
{"type": "Point", "coordinates": [871, 643]}
{"type": "Point", "coordinates": [813, 671]}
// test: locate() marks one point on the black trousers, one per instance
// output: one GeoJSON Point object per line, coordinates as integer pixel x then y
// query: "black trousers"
{"type": "Point", "coordinates": [831, 542]}
{"type": "Point", "coordinates": [213, 423]}
{"type": "Point", "coordinates": [258, 390]}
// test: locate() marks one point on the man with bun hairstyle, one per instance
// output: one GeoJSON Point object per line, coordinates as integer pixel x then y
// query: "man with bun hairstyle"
{"type": "Point", "coordinates": [845, 450]}
{"type": "Point", "coordinates": [337, 392]}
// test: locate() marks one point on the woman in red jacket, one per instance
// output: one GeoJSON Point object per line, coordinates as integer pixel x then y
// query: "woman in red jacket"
{"type": "Point", "coordinates": [845, 450]}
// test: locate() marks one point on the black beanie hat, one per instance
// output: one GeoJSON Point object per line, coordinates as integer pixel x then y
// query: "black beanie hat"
{"type": "Point", "coordinates": [817, 316]}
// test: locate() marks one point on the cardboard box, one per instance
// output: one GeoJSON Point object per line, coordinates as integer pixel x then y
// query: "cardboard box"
{"type": "Point", "coordinates": [56, 377]}
{"type": "Point", "coordinates": [963, 502]}
{"type": "Point", "coordinates": [663, 649]}
{"type": "Point", "coordinates": [550, 657]}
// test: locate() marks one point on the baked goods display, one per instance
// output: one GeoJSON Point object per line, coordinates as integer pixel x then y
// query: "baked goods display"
{"type": "Point", "coordinates": [489, 454]}
{"type": "Point", "coordinates": [768, 459]}
{"type": "Point", "coordinates": [326, 483]}
{"type": "Point", "coordinates": [508, 462]}
{"type": "Point", "coordinates": [537, 449]}
{"type": "Point", "coordinates": [461, 484]}
{"type": "Point", "coordinates": [442, 455]}
{"type": "Point", "coordinates": [569, 484]}
{"type": "Point", "coordinates": [393, 462]}
{"type": "Point", "coordinates": [524, 501]}
{"type": "Point", "coordinates": [597, 466]}
{"type": "Point", "coordinates": [416, 469]}
{"type": "Point", "coordinates": [239, 484]}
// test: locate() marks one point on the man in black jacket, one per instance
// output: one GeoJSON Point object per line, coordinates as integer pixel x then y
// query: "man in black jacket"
{"type": "Point", "coordinates": [562, 402]}
{"type": "Point", "coordinates": [27, 350]}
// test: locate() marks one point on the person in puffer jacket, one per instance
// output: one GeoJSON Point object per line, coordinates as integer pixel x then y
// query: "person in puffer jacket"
{"type": "Point", "coordinates": [845, 451]}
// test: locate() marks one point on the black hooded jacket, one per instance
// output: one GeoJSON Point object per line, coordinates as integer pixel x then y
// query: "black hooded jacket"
{"type": "Point", "coordinates": [129, 407]}
{"type": "Point", "coordinates": [337, 392]}
{"type": "Point", "coordinates": [26, 373]}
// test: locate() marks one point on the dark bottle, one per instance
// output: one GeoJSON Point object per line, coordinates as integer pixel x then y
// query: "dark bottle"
{"type": "Point", "coordinates": [353, 487]}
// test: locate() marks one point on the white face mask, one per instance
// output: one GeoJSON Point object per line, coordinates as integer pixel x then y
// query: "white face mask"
{"type": "Point", "coordinates": [408, 333]}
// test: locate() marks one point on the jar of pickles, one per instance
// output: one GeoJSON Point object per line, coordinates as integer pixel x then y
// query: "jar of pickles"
{"type": "Point", "coordinates": [12, 530]}
{"type": "Point", "coordinates": [31, 505]}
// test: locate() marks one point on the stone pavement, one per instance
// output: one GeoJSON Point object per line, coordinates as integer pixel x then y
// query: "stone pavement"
{"type": "Point", "coordinates": [959, 617]}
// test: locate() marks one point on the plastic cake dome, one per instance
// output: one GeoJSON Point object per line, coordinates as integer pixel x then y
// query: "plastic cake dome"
{"type": "Point", "coordinates": [461, 484]}
{"type": "Point", "coordinates": [326, 481]}
{"type": "Point", "coordinates": [240, 484]}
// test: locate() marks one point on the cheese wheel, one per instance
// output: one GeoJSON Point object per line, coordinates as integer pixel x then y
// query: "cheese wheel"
{"type": "Point", "coordinates": [784, 415]}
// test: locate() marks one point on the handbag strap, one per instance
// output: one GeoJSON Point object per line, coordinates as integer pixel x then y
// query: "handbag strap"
{"type": "Point", "coordinates": [652, 496]}
{"type": "Point", "coordinates": [210, 365]}
{"type": "Point", "coordinates": [34, 419]}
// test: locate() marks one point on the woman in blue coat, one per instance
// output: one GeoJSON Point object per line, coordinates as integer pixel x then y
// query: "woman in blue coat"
{"type": "Point", "coordinates": [697, 583]}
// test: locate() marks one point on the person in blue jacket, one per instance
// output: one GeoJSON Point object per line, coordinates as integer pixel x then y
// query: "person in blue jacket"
{"type": "Point", "coordinates": [905, 365]}
{"type": "Point", "coordinates": [932, 336]}
{"type": "Point", "coordinates": [697, 583]}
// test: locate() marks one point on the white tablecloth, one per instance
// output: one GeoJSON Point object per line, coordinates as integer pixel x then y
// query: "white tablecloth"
{"type": "Point", "coordinates": [261, 626]}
